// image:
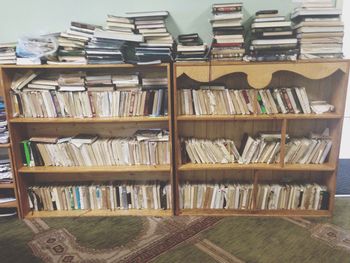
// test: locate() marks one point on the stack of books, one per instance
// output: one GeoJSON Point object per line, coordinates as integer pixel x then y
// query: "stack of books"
{"type": "Point", "coordinates": [74, 81]}
{"type": "Point", "coordinates": [72, 43]}
{"type": "Point", "coordinates": [145, 147]}
{"type": "Point", "coordinates": [218, 100]}
{"type": "Point", "coordinates": [82, 95]}
{"type": "Point", "coordinates": [292, 197]}
{"type": "Point", "coordinates": [115, 43]}
{"type": "Point", "coordinates": [272, 38]}
{"type": "Point", "coordinates": [264, 149]}
{"type": "Point", "coordinates": [191, 47]}
{"type": "Point", "coordinates": [4, 134]}
{"type": "Point", "coordinates": [5, 171]}
{"type": "Point", "coordinates": [158, 44]}
{"type": "Point", "coordinates": [116, 196]}
{"type": "Point", "coordinates": [8, 53]}
{"type": "Point", "coordinates": [228, 39]}
{"type": "Point", "coordinates": [216, 196]}
{"type": "Point", "coordinates": [319, 30]}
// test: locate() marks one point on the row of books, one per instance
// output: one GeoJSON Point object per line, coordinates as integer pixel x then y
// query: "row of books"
{"type": "Point", "coordinates": [291, 197]}
{"type": "Point", "coordinates": [5, 171]}
{"type": "Point", "coordinates": [240, 196]}
{"type": "Point", "coordinates": [319, 29]}
{"type": "Point", "coordinates": [228, 32]}
{"type": "Point", "coordinates": [145, 147]}
{"type": "Point", "coordinates": [81, 104]}
{"type": "Point", "coordinates": [4, 133]}
{"type": "Point", "coordinates": [313, 150]}
{"type": "Point", "coordinates": [115, 196]}
{"type": "Point", "coordinates": [263, 149]}
{"type": "Point", "coordinates": [219, 100]}
{"type": "Point", "coordinates": [216, 196]}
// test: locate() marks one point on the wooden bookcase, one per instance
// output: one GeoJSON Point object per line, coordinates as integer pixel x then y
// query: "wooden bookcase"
{"type": "Point", "coordinates": [324, 80]}
{"type": "Point", "coordinates": [24, 128]}
{"type": "Point", "coordinates": [9, 187]}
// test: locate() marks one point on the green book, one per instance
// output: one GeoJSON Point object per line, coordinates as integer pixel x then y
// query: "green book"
{"type": "Point", "coordinates": [26, 152]}
{"type": "Point", "coordinates": [262, 107]}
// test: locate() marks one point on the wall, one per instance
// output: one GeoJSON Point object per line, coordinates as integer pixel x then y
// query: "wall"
{"type": "Point", "coordinates": [22, 17]}
{"type": "Point", "coordinates": [345, 145]}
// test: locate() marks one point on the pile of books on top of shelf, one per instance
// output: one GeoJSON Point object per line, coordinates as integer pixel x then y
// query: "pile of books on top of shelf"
{"type": "Point", "coordinates": [8, 53]}
{"type": "Point", "coordinates": [272, 38]}
{"type": "Point", "coordinates": [116, 196]}
{"type": "Point", "coordinates": [158, 43]}
{"type": "Point", "coordinates": [219, 100]}
{"type": "Point", "coordinates": [115, 43]}
{"type": "Point", "coordinates": [228, 39]}
{"type": "Point", "coordinates": [191, 47]}
{"type": "Point", "coordinates": [319, 29]}
{"type": "Point", "coordinates": [263, 149]}
{"type": "Point", "coordinates": [72, 43]}
{"type": "Point", "coordinates": [216, 196]}
{"type": "Point", "coordinates": [145, 147]}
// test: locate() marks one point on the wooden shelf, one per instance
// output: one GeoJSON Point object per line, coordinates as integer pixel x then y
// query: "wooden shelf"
{"type": "Point", "coordinates": [256, 166]}
{"type": "Point", "coordinates": [89, 120]}
{"type": "Point", "coordinates": [81, 66]}
{"type": "Point", "coordinates": [259, 117]}
{"type": "Point", "coordinates": [271, 213]}
{"type": "Point", "coordinates": [89, 213]}
{"type": "Point", "coordinates": [12, 204]}
{"type": "Point", "coordinates": [5, 145]}
{"type": "Point", "coordinates": [95, 169]}
{"type": "Point", "coordinates": [7, 185]}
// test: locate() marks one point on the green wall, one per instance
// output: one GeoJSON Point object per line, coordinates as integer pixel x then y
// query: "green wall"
{"type": "Point", "coordinates": [34, 17]}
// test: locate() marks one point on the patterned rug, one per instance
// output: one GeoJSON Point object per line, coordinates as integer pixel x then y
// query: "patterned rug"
{"type": "Point", "coordinates": [158, 236]}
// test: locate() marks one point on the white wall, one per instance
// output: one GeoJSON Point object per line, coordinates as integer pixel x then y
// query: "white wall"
{"type": "Point", "coordinates": [345, 144]}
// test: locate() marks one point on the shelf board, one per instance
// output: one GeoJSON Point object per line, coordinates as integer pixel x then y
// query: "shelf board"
{"type": "Point", "coordinates": [95, 169]}
{"type": "Point", "coordinates": [90, 120]}
{"type": "Point", "coordinates": [12, 204]}
{"type": "Point", "coordinates": [87, 213]}
{"type": "Point", "coordinates": [259, 117]}
{"type": "Point", "coordinates": [80, 66]}
{"type": "Point", "coordinates": [7, 185]}
{"type": "Point", "coordinates": [222, 63]}
{"type": "Point", "coordinates": [278, 213]}
{"type": "Point", "coordinates": [256, 166]}
{"type": "Point", "coordinates": [5, 145]}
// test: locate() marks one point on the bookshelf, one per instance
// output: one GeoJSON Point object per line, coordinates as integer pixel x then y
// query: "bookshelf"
{"type": "Point", "coordinates": [8, 189]}
{"type": "Point", "coordinates": [323, 79]}
{"type": "Point", "coordinates": [21, 128]}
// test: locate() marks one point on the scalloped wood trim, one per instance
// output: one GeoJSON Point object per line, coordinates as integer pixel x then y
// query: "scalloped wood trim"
{"type": "Point", "coordinates": [259, 76]}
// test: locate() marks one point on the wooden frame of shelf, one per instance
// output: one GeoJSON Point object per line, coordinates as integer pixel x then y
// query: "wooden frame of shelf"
{"type": "Point", "coordinates": [316, 75]}
{"type": "Point", "coordinates": [23, 128]}
{"type": "Point", "coordinates": [8, 146]}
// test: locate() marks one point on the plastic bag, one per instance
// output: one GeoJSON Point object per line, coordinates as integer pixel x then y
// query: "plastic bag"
{"type": "Point", "coordinates": [36, 47]}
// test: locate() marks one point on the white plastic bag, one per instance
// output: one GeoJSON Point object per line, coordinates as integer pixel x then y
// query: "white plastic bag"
{"type": "Point", "coordinates": [37, 47]}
